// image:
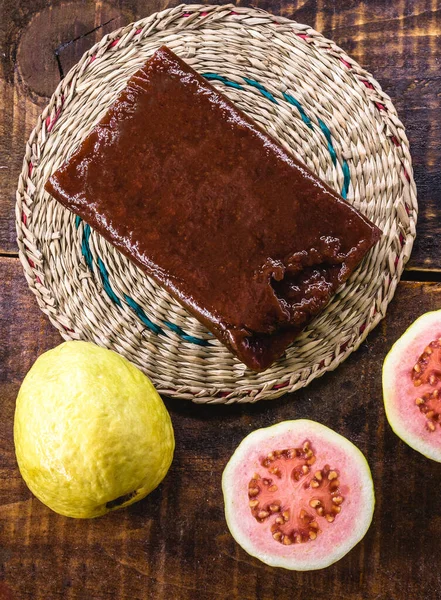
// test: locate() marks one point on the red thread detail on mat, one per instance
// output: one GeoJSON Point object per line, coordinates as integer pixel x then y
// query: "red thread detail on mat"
{"type": "Point", "coordinates": [362, 328]}
{"type": "Point", "coordinates": [92, 58]}
{"type": "Point", "coordinates": [233, 13]}
{"type": "Point", "coordinates": [138, 31]}
{"type": "Point", "coordinates": [186, 14]}
{"type": "Point", "coordinates": [396, 261]}
{"type": "Point", "coordinates": [380, 106]}
{"type": "Point", "coordinates": [345, 345]}
{"type": "Point", "coordinates": [302, 35]}
{"type": "Point", "coordinates": [204, 14]}
{"type": "Point", "coordinates": [406, 174]}
{"type": "Point", "coordinates": [30, 169]}
{"type": "Point", "coordinates": [345, 62]}
{"type": "Point", "coordinates": [368, 84]}
{"type": "Point", "coordinates": [280, 385]}
{"type": "Point", "coordinates": [24, 218]}
{"type": "Point", "coordinates": [37, 279]}
{"type": "Point", "coordinates": [114, 43]}
{"type": "Point", "coordinates": [31, 262]}
{"type": "Point", "coordinates": [51, 122]}
{"type": "Point", "coordinates": [395, 141]}
{"type": "Point", "coordinates": [401, 239]}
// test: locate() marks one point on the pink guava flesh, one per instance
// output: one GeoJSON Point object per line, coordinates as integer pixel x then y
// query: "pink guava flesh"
{"type": "Point", "coordinates": [297, 499]}
{"type": "Point", "coordinates": [298, 495]}
{"type": "Point", "coordinates": [412, 385]}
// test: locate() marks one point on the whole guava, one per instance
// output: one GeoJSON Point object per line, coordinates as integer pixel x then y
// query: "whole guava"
{"type": "Point", "coordinates": [91, 433]}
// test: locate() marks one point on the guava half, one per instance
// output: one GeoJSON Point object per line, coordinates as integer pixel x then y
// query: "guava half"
{"type": "Point", "coordinates": [412, 385]}
{"type": "Point", "coordinates": [298, 495]}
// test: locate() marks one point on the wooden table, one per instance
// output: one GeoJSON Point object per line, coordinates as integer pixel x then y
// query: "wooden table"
{"type": "Point", "coordinates": [175, 544]}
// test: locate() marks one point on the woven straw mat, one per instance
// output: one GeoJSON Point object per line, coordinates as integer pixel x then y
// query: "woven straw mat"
{"type": "Point", "coordinates": [307, 93]}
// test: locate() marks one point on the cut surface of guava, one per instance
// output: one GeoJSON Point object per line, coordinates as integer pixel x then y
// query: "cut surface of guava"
{"type": "Point", "coordinates": [412, 385]}
{"type": "Point", "coordinates": [298, 495]}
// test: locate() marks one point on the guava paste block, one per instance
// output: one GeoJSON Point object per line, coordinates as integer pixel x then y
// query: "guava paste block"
{"type": "Point", "coordinates": [205, 202]}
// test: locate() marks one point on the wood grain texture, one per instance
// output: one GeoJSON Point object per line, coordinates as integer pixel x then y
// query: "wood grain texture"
{"type": "Point", "coordinates": [175, 543]}
{"type": "Point", "coordinates": [397, 41]}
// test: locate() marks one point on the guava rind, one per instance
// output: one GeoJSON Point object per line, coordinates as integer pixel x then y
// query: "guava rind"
{"type": "Point", "coordinates": [349, 528]}
{"type": "Point", "coordinates": [399, 394]}
{"type": "Point", "coordinates": [89, 428]}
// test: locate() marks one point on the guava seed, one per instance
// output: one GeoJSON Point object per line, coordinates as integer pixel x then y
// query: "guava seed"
{"type": "Point", "coordinates": [329, 518]}
{"type": "Point", "coordinates": [275, 471]}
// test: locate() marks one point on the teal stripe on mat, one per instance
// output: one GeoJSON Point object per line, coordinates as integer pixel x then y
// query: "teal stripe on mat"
{"type": "Point", "coordinates": [142, 316]}
{"type": "Point", "coordinates": [105, 279]}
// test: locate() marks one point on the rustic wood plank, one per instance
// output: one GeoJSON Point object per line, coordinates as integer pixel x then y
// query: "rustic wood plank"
{"type": "Point", "coordinates": [30, 33]}
{"type": "Point", "coordinates": [175, 543]}
{"type": "Point", "coordinates": [397, 41]}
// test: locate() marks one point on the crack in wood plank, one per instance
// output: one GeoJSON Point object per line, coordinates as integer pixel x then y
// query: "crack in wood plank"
{"type": "Point", "coordinates": [59, 49]}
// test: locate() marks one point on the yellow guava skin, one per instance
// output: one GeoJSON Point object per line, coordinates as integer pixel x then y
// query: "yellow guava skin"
{"type": "Point", "coordinates": [89, 427]}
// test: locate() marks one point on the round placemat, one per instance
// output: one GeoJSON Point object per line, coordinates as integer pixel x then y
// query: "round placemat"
{"type": "Point", "coordinates": [306, 92]}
